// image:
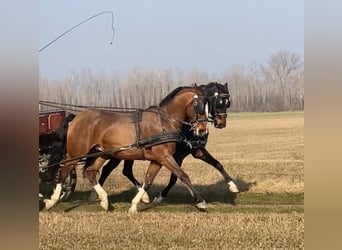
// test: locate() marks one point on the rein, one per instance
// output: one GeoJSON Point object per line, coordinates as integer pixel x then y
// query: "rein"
{"type": "Point", "coordinates": [145, 142]}
{"type": "Point", "coordinates": [80, 108]}
{"type": "Point", "coordinates": [153, 140]}
{"type": "Point", "coordinates": [97, 154]}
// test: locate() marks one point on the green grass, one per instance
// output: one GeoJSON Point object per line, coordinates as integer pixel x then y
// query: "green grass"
{"type": "Point", "coordinates": [182, 203]}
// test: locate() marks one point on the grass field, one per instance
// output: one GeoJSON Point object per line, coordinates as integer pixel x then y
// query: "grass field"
{"type": "Point", "coordinates": [264, 152]}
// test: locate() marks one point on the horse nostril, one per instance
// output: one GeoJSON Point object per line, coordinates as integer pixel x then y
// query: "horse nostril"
{"type": "Point", "coordinates": [204, 133]}
{"type": "Point", "coordinates": [219, 126]}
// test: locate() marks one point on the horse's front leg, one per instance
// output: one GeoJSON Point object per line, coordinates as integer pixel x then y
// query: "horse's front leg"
{"type": "Point", "coordinates": [170, 163]}
{"type": "Point", "coordinates": [179, 156]}
{"type": "Point", "coordinates": [203, 154]}
{"type": "Point", "coordinates": [151, 173]}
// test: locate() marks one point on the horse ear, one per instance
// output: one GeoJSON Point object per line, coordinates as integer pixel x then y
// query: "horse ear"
{"type": "Point", "coordinates": [226, 84]}
{"type": "Point", "coordinates": [198, 89]}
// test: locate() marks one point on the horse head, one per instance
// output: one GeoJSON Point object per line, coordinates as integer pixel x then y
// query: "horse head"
{"type": "Point", "coordinates": [198, 112]}
{"type": "Point", "coordinates": [219, 101]}
{"type": "Point", "coordinates": [188, 106]}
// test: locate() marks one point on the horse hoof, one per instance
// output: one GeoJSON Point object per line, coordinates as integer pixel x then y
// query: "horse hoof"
{"type": "Point", "coordinates": [49, 203]}
{"type": "Point", "coordinates": [158, 200]}
{"type": "Point", "coordinates": [105, 205]}
{"type": "Point", "coordinates": [92, 197]}
{"type": "Point", "coordinates": [232, 187]}
{"type": "Point", "coordinates": [202, 205]}
{"type": "Point", "coordinates": [132, 210]}
{"type": "Point", "coordinates": [145, 198]}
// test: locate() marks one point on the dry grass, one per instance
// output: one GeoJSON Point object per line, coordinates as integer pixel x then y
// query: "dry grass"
{"type": "Point", "coordinates": [163, 230]}
{"type": "Point", "coordinates": [264, 152]}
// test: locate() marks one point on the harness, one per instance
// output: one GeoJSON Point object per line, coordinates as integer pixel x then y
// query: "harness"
{"type": "Point", "coordinates": [156, 139]}
{"type": "Point", "coordinates": [163, 137]}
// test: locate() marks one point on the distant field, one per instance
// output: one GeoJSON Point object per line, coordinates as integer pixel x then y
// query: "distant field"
{"type": "Point", "coordinates": [264, 152]}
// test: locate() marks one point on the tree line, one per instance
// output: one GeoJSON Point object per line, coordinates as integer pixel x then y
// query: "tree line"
{"type": "Point", "coordinates": [276, 86]}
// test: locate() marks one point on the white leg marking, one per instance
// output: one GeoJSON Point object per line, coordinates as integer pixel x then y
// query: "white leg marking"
{"type": "Point", "coordinates": [202, 205]}
{"type": "Point", "coordinates": [49, 203]}
{"type": "Point", "coordinates": [232, 187]}
{"type": "Point", "coordinates": [145, 198]}
{"type": "Point", "coordinates": [158, 200]}
{"type": "Point", "coordinates": [136, 200]}
{"type": "Point", "coordinates": [102, 195]}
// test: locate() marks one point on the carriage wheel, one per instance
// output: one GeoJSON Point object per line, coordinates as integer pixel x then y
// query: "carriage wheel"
{"type": "Point", "coordinates": [69, 185]}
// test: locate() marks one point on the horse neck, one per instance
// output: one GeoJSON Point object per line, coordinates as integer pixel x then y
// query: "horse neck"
{"type": "Point", "coordinates": [176, 108]}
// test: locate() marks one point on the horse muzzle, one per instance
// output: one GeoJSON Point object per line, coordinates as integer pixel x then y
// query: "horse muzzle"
{"type": "Point", "coordinates": [201, 131]}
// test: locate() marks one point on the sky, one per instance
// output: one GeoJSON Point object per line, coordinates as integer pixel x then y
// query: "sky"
{"type": "Point", "coordinates": [210, 36]}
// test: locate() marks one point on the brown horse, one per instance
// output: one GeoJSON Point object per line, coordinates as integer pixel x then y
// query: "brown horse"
{"type": "Point", "coordinates": [149, 134]}
{"type": "Point", "coordinates": [218, 97]}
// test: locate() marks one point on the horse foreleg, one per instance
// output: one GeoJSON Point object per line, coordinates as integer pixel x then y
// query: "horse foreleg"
{"type": "Point", "coordinates": [179, 156]}
{"type": "Point", "coordinates": [204, 155]}
{"type": "Point", "coordinates": [151, 173]}
{"type": "Point", "coordinates": [158, 200]}
{"type": "Point", "coordinates": [170, 163]}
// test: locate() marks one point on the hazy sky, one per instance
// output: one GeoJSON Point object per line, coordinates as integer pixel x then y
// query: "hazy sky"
{"type": "Point", "coordinates": [185, 34]}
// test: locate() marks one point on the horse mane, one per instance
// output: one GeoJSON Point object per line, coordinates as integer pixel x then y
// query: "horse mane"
{"type": "Point", "coordinates": [207, 88]}
{"type": "Point", "coordinates": [172, 94]}
{"type": "Point", "coordinates": [212, 87]}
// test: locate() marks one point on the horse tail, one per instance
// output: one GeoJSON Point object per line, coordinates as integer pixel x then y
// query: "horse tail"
{"type": "Point", "coordinates": [59, 150]}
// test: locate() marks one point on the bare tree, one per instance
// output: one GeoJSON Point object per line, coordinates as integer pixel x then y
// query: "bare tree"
{"type": "Point", "coordinates": [277, 86]}
{"type": "Point", "coordinates": [282, 70]}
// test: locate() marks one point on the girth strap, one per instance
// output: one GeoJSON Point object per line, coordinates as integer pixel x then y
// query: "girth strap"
{"type": "Point", "coordinates": [136, 119]}
{"type": "Point", "coordinates": [137, 116]}
{"type": "Point", "coordinates": [159, 139]}
{"type": "Point", "coordinates": [153, 140]}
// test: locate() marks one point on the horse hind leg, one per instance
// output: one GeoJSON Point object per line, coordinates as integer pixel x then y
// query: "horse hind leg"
{"type": "Point", "coordinates": [106, 170]}
{"type": "Point", "coordinates": [63, 173]}
{"type": "Point", "coordinates": [89, 174]}
{"type": "Point", "coordinates": [152, 171]}
{"type": "Point", "coordinates": [128, 172]}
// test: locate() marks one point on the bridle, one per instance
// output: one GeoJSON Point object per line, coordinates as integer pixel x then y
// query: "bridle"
{"type": "Point", "coordinates": [200, 107]}
{"type": "Point", "coordinates": [218, 105]}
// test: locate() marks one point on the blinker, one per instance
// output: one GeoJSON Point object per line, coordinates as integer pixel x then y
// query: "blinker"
{"type": "Point", "coordinates": [199, 106]}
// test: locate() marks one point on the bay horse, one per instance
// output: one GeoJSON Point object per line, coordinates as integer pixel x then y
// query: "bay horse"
{"type": "Point", "coordinates": [218, 97]}
{"type": "Point", "coordinates": [149, 134]}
